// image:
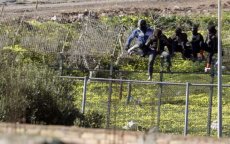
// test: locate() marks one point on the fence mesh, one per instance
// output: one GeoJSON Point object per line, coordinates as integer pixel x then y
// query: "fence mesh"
{"type": "Point", "coordinates": [141, 106]}
{"type": "Point", "coordinates": [172, 100]}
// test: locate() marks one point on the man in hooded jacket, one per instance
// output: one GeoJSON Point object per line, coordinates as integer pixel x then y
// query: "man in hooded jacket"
{"type": "Point", "coordinates": [197, 43]}
{"type": "Point", "coordinates": [211, 45]}
{"type": "Point", "coordinates": [141, 34]}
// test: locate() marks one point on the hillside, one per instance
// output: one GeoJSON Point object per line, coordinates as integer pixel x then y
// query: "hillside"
{"type": "Point", "coordinates": [48, 8]}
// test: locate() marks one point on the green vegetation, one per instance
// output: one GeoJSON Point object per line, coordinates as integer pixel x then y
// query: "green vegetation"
{"type": "Point", "coordinates": [33, 54]}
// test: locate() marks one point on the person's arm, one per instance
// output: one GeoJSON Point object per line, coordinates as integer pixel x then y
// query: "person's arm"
{"type": "Point", "coordinates": [209, 40]}
{"type": "Point", "coordinates": [174, 38]}
{"type": "Point", "coordinates": [129, 40]}
{"type": "Point", "coordinates": [215, 43]}
{"type": "Point", "coordinates": [149, 41]}
{"type": "Point", "coordinates": [166, 42]}
{"type": "Point", "coordinates": [195, 38]}
{"type": "Point", "coordinates": [184, 37]}
{"type": "Point", "coordinates": [201, 38]}
{"type": "Point", "coordinates": [201, 43]}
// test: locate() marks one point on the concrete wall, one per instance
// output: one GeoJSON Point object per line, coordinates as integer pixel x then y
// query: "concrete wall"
{"type": "Point", "coordinates": [29, 1]}
{"type": "Point", "coordinates": [57, 1]}
{"type": "Point", "coordinates": [1, 1]}
{"type": "Point", "coordinates": [35, 134]}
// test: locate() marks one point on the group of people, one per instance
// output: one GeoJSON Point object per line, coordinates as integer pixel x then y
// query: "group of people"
{"type": "Point", "coordinates": [152, 42]}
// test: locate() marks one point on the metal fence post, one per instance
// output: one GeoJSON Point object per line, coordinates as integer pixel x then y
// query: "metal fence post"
{"type": "Point", "coordinates": [161, 80]}
{"type": "Point", "coordinates": [120, 89]}
{"type": "Point", "coordinates": [129, 93]}
{"type": "Point", "coordinates": [84, 95]}
{"type": "Point", "coordinates": [210, 102]}
{"type": "Point", "coordinates": [36, 4]}
{"type": "Point", "coordinates": [109, 105]}
{"type": "Point", "coordinates": [186, 109]}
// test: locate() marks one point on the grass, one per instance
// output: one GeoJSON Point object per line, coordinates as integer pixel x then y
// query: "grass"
{"type": "Point", "coordinates": [143, 104]}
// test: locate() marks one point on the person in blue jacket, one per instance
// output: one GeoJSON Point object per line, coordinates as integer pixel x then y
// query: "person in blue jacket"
{"type": "Point", "coordinates": [141, 34]}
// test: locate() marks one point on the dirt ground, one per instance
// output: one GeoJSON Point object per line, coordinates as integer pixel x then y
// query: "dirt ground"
{"type": "Point", "coordinates": [47, 8]}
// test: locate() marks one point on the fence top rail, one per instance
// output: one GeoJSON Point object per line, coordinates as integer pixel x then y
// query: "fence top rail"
{"type": "Point", "coordinates": [144, 71]}
{"type": "Point", "coordinates": [139, 82]}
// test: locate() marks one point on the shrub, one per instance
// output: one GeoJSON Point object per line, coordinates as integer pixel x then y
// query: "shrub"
{"type": "Point", "coordinates": [31, 92]}
{"type": "Point", "coordinates": [91, 120]}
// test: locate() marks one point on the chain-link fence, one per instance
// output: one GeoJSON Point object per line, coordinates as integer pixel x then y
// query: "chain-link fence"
{"type": "Point", "coordinates": [179, 108]}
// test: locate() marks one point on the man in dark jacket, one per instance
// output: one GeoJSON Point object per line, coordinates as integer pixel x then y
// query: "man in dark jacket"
{"type": "Point", "coordinates": [179, 43]}
{"type": "Point", "coordinates": [156, 44]}
{"type": "Point", "coordinates": [197, 42]}
{"type": "Point", "coordinates": [142, 33]}
{"type": "Point", "coordinates": [210, 45]}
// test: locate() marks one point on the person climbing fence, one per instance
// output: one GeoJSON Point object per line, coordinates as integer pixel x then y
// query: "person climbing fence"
{"type": "Point", "coordinates": [179, 43]}
{"type": "Point", "coordinates": [141, 34]}
{"type": "Point", "coordinates": [197, 43]}
{"type": "Point", "coordinates": [210, 45]}
{"type": "Point", "coordinates": [156, 46]}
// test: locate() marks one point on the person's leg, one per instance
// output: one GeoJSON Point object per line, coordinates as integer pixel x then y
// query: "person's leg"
{"type": "Point", "coordinates": [133, 49]}
{"type": "Point", "coordinates": [152, 56]}
{"type": "Point", "coordinates": [180, 49]}
{"type": "Point", "coordinates": [201, 51]}
{"type": "Point", "coordinates": [174, 47]}
{"type": "Point", "coordinates": [209, 57]}
{"type": "Point", "coordinates": [170, 47]}
{"type": "Point", "coordinates": [209, 62]}
{"type": "Point", "coordinates": [138, 50]}
{"type": "Point", "coordinates": [205, 47]}
{"type": "Point", "coordinates": [194, 52]}
{"type": "Point", "coordinates": [143, 51]}
{"type": "Point", "coordinates": [188, 53]}
{"type": "Point", "coordinates": [201, 55]}
{"type": "Point", "coordinates": [167, 58]}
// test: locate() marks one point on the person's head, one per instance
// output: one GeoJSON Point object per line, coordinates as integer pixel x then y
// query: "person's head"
{"type": "Point", "coordinates": [157, 32]}
{"type": "Point", "coordinates": [195, 29]}
{"type": "Point", "coordinates": [142, 25]}
{"type": "Point", "coordinates": [178, 31]}
{"type": "Point", "coordinates": [212, 29]}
